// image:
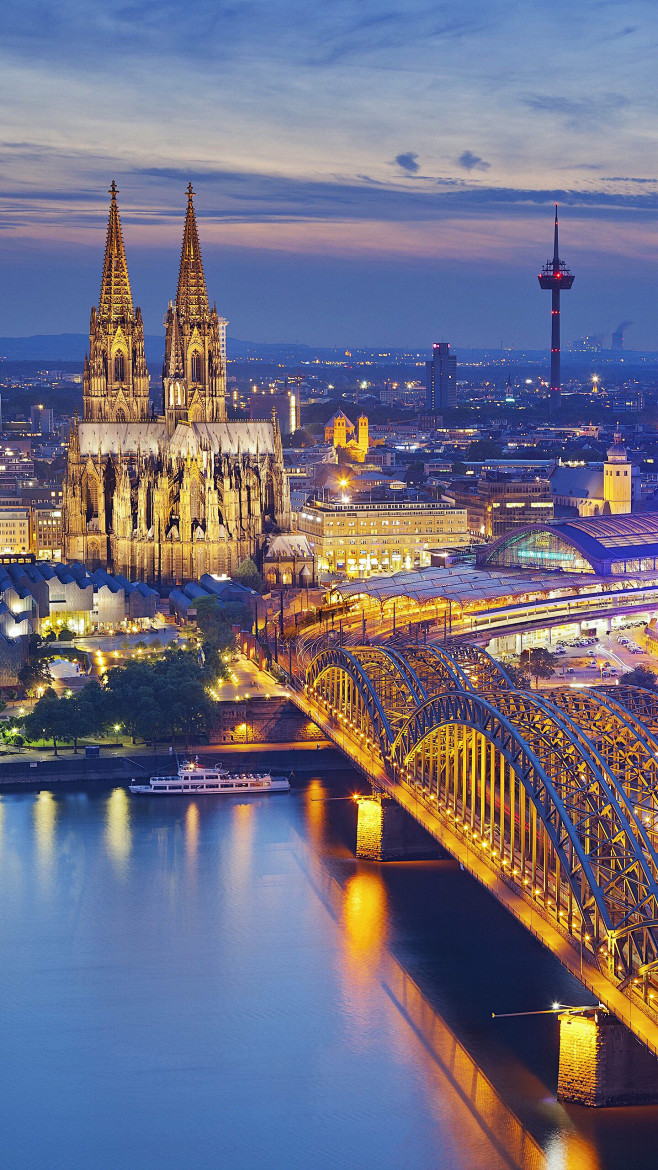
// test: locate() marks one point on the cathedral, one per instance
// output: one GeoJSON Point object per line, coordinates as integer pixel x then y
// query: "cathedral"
{"type": "Point", "coordinates": [166, 497]}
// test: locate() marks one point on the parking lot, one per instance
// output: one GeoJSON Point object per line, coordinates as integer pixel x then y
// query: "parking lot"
{"type": "Point", "coordinates": [590, 660]}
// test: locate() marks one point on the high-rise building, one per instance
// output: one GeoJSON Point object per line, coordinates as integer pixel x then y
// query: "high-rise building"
{"type": "Point", "coordinates": [187, 492]}
{"type": "Point", "coordinates": [441, 378]}
{"type": "Point", "coordinates": [42, 420]}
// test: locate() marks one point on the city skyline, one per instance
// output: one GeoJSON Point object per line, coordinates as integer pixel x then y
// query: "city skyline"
{"type": "Point", "coordinates": [362, 177]}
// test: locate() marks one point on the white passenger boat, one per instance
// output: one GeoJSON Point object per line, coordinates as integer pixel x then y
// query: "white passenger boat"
{"type": "Point", "coordinates": [193, 778]}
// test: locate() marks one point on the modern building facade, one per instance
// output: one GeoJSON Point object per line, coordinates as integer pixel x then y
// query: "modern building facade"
{"type": "Point", "coordinates": [169, 496]}
{"type": "Point", "coordinates": [499, 501]}
{"type": "Point", "coordinates": [440, 378]}
{"type": "Point", "coordinates": [362, 536]}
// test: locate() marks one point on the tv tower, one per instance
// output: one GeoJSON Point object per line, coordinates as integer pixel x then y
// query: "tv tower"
{"type": "Point", "coordinates": [556, 276]}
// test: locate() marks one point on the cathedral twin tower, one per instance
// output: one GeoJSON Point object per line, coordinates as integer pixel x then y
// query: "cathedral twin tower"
{"type": "Point", "coordinates": [168, 497]}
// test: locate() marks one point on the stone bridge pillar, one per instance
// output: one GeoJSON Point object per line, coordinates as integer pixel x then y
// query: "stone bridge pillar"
{"type": "Point", "coordinates": [601, 1062]}
{"type": "Point", "coordinates": [385, 832]}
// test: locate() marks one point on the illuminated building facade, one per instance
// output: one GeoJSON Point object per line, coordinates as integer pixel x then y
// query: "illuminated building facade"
{"type": "Point", "coordinates": [357, 537]}
{"type": "Point", "coordinates": [16, 530]}
{"type": "Point", "coordinates": [340, 432]}
{"type": "Point", "coordinates": [167, 497]}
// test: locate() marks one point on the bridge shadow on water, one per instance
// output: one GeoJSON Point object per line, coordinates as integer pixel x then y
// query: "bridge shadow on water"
{"type": "Point", "coordinates": [448, 955]}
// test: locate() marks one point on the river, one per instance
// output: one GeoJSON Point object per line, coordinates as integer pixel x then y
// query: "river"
{"type": "Point", "coordinates": [217, 983]}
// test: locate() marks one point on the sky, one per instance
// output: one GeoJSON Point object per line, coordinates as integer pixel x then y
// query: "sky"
{"type": "Point", "coordinates": [366, 174]}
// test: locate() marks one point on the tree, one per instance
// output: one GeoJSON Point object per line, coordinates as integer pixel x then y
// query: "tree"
{"type": "Point", "coordinates": [415, 473]}
{"type": "Point", "coordinates": [130, 689]}
{"type": "Point", "coordinates": [300, 438]}
{"type": "Point", "coordinates": [87, 713]}
{"type": "Point", "coordinates": [481, 449]}
{"type": "Point", "coordinates": [519, 677]}
{"type": "Point", "coordinates": [65, 635]}
{"type": "Point", "coordinates": [215, 623]}
{"type": "Point", "coordinates": [539, 663]}
{"type": "Point", "coordinates": [247, 574]}
{"type": "Point", "coordinates": [167, 695]}
{"type": "Point", "coordinates": [640, 676]}
{"type": "Point", "coordinates": [47, 720]}
{"type": "Point", "coordinates": [34, 675]}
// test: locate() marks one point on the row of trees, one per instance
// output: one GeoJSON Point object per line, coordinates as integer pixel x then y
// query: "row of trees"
{"type": "Point", "coordinates": [148, 699]}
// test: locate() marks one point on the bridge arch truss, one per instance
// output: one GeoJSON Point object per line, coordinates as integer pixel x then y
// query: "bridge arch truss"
{"type": "Point", "coordinates": [558, 791]}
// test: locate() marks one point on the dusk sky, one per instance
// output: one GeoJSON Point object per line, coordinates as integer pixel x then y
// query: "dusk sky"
{"type": "Point", "coordinates": [365, 174]}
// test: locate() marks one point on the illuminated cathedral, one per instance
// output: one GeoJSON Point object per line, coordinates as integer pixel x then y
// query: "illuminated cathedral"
{"type": "Point", "coordinates": [166, 497]}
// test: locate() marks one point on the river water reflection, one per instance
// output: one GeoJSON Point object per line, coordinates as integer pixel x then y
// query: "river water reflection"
{"type": "Point", "coordinates": [213, 983]}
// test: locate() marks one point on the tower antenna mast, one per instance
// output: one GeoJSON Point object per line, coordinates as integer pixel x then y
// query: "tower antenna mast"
{"type": "Point", "coordinates": [557, 277]}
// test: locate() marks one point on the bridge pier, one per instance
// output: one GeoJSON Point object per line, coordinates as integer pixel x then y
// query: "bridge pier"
{"type": "Point", "coordinates": [386, 832]}
{"type": "Point", "coordinates": [602, 1063]}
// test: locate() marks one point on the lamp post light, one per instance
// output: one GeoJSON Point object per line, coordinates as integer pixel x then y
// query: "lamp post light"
{"type": "Point", "coordinates": [117, 729]}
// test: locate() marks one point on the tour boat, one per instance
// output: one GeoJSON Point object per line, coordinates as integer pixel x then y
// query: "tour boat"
{"type": "Point", "coordinates": [192, 778]}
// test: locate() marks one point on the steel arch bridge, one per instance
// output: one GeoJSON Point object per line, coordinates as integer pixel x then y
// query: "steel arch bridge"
{"type": "Point", "coordinates": [556, 791]}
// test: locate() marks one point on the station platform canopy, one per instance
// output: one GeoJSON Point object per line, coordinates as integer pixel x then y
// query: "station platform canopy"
{"type": "Point", "coordinates": [469, 585]}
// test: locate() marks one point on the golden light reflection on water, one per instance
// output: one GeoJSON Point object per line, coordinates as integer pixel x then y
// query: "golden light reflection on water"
{"type": "Point", "coordinates": [44, 812]}
{"type": "Point", "coordinates": [316, 812]}
{"type": "Point", "coordinates": [192, 831]}
{"type": "Point", "coordinates": [118, 836]}
{"type": "Point", "coordinates": [242, 843]}
{"type": "Point", "coordinates": [569, 1150]}
{"type": "Point", "coordinates": [364, 917]}
{"type": "Point", "coordinates": [470, 1115]}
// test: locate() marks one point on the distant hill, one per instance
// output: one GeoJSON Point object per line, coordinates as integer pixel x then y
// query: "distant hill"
{"type": "Point", "coordinates": [64, 347]}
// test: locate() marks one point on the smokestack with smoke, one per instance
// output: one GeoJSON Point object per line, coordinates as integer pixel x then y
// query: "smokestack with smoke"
{"type": "Point", "coordinates": [618, 335]}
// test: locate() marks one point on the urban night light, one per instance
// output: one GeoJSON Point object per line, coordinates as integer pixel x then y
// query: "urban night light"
{"type": "Point", "coordinates": [328, 586]}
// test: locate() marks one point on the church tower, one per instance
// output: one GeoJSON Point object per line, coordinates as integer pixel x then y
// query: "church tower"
{"type": "Point", "coordinates": [617, 480]}
{"type": "Point", "coordinates": [115, 379]}
{"type": "Point", "coordinates": [194, 373]}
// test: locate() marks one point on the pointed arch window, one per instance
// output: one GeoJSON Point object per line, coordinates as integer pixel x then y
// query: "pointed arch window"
{"type": "Point", "coordinates": [119, 367]}
{"type": "Point", "coordinates": [195, 366]}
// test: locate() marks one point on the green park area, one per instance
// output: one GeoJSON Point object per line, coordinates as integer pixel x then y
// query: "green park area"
{"type": "Point", "coordinates": [164, 695]}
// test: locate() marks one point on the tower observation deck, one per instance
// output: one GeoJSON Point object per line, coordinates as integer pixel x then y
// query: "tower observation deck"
{"type": "Point", "coordinates": [555, 276]}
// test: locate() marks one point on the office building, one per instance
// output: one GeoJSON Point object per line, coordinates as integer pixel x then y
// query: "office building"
{"type": "Point", "coordinates": [441, 378]}
{"type": "Point", "coordinates": [42, 420]}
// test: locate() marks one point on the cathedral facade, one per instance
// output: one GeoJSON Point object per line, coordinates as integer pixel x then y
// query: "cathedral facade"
{"type": "Point", "coordinates": [165, 498]}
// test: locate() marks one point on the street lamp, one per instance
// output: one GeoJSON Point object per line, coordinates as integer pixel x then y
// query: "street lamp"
{"type": "Point", "coordinates": [117, 729]}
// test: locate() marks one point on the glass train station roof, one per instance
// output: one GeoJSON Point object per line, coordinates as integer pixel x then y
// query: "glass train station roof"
{"type": "Point", "coordinates": [606, 545]}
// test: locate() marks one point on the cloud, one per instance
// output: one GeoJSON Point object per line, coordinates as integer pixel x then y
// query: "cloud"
{"type": "Point", "coordinates": [408, 162]}
{"type": "Point", "coordinates": [579, 113]}
{"type": "Point", "coordinates": [472, 162]}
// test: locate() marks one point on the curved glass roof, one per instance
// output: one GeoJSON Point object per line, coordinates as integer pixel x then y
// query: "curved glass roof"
{"type": "Point", "coordinates": [577, 545]}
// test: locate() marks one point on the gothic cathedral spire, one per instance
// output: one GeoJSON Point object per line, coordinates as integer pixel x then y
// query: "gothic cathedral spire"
{"type": "Point", "coordinates": [115, 379]}
{"type": "Point", "coordinates": [194, 373]}
{"type": "Point", "coordinates": [191, 296]}
{"type": "Point", "coordinates": [115, 302]}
